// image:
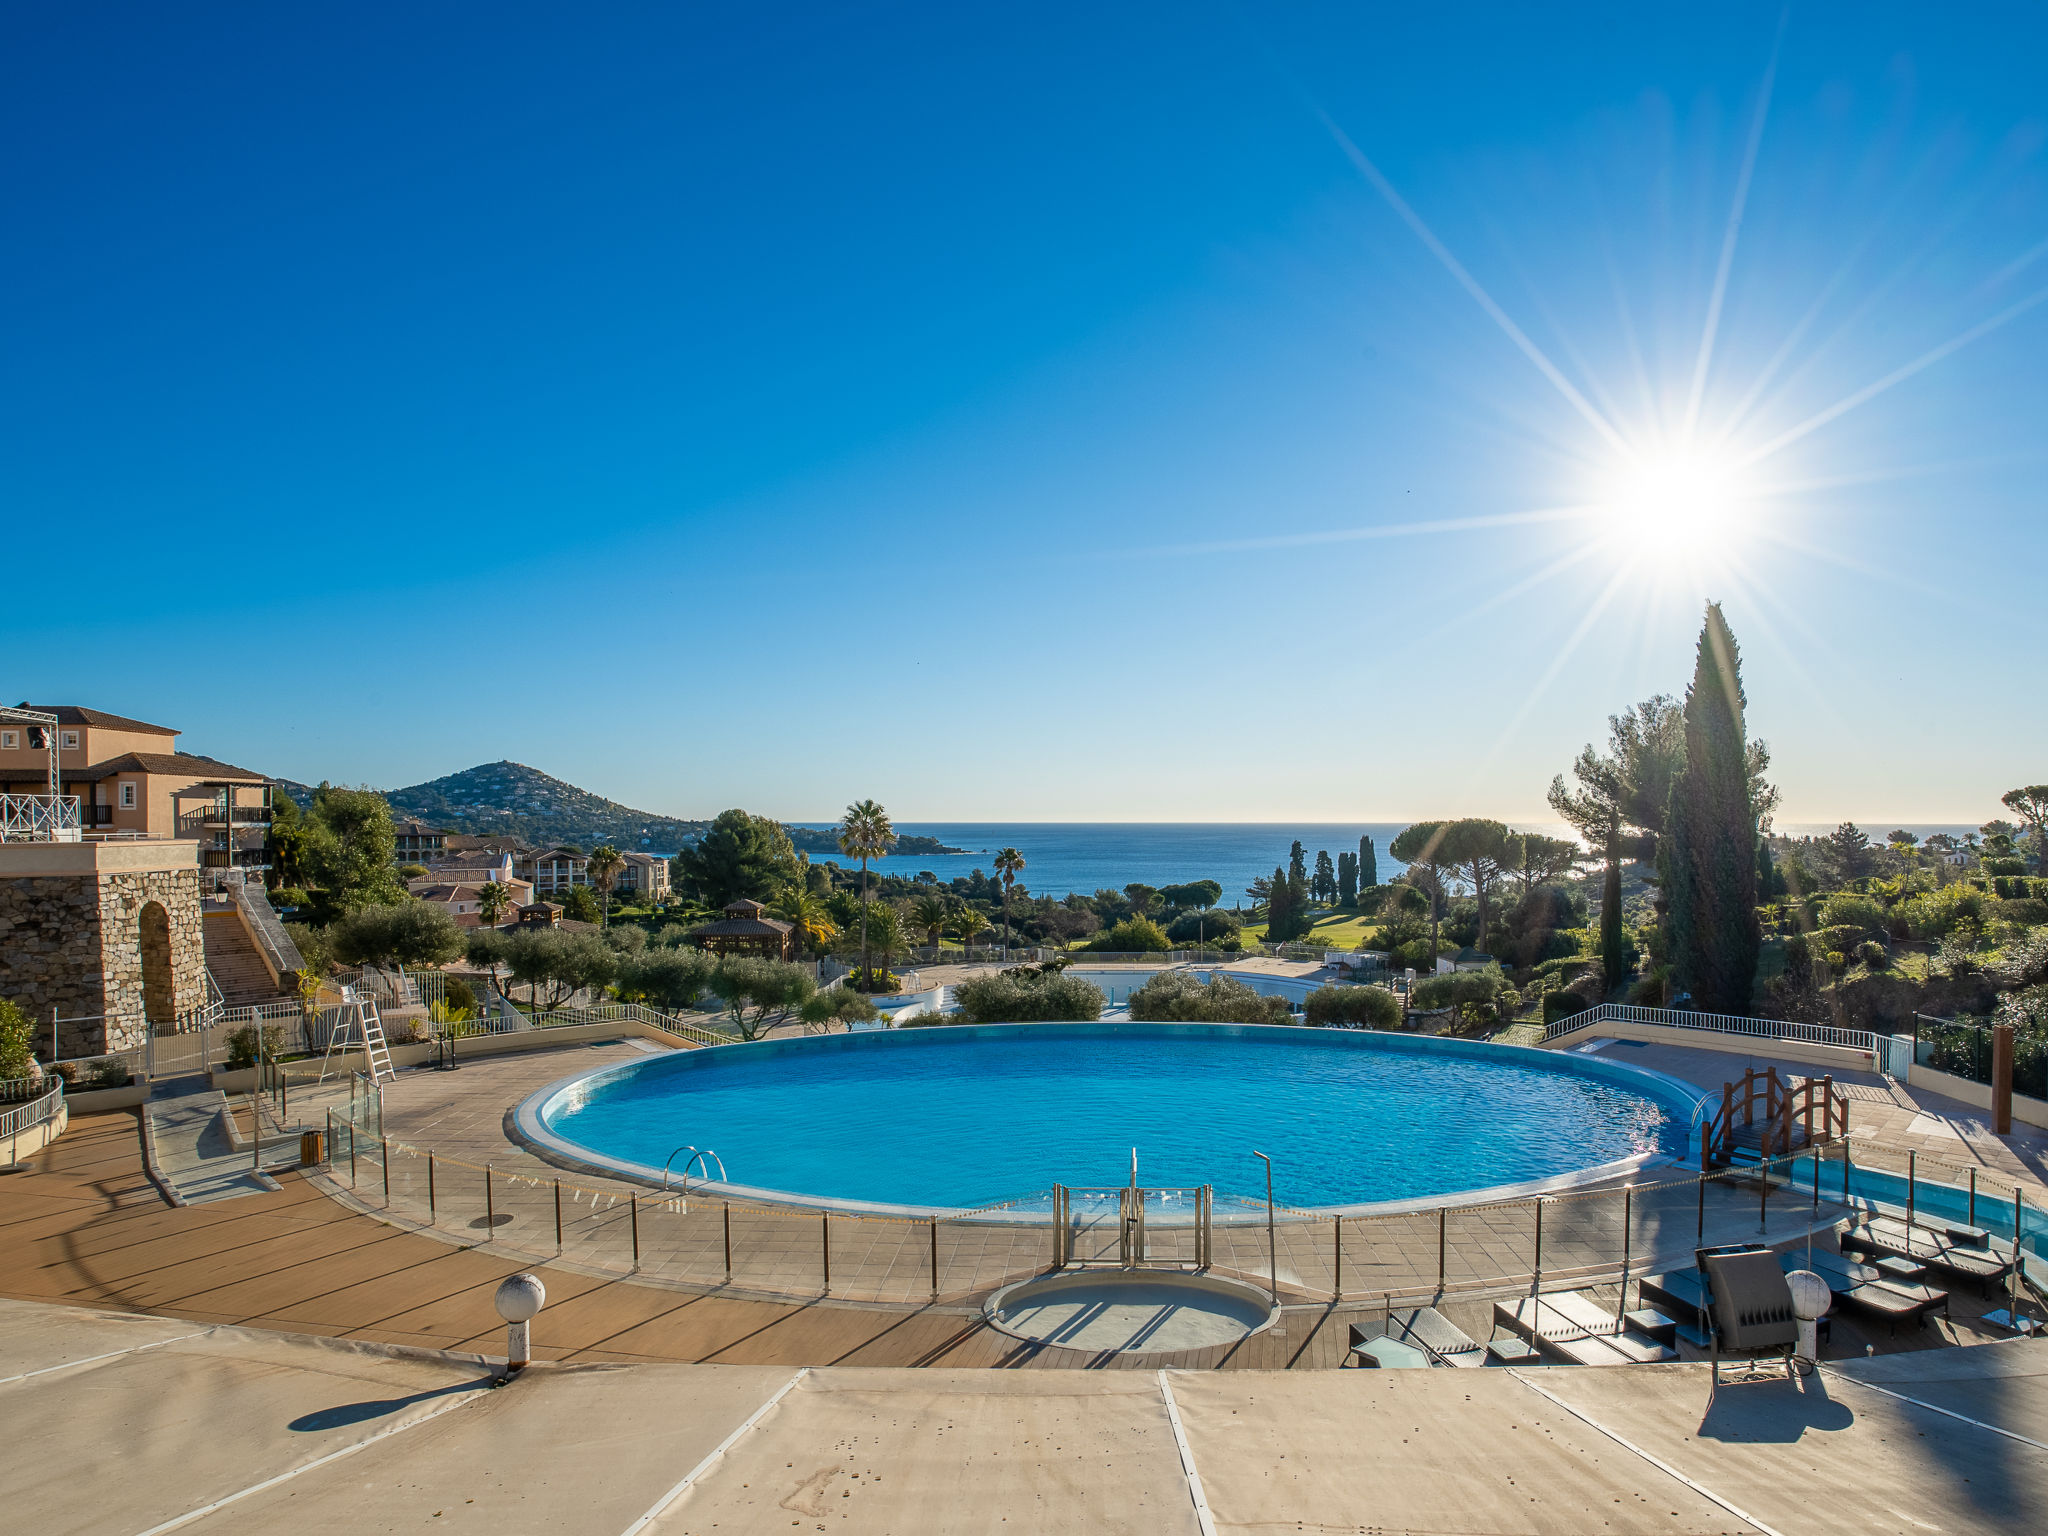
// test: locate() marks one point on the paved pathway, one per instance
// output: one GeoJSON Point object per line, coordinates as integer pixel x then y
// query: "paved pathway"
{"type": "Point", "coordinates": [195, 1154]}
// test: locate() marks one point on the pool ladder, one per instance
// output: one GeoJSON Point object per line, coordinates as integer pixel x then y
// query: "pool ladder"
{"type": "Point", "coordinates": [705, 1158]}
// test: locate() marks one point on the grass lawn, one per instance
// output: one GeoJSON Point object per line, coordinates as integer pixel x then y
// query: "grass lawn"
{"type": "Point", "coordinates": [1333, 930]}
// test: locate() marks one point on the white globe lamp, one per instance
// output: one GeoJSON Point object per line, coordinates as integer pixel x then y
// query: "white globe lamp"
{"type": "Point", "coordinates": [519, 1299]}
{"type": "Point", "coordinates": [1810, 1301]}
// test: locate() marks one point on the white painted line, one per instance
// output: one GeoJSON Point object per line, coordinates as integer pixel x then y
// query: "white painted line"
{"type": "Point", "coordinates": [319, 1461]}
{"type": "Point", "coordinates": [704, 1466]}
{"type": "Point", "coordinates": [1187, 1460]}
{"type": "Point", "coordinates": [112, 1354]}
{"type": "Point", "coordinates": [1661, 1465]}
{"type": "Point", "coordinates": [1857, 1381]}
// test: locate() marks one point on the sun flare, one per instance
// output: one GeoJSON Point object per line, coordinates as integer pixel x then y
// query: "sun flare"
{"type": "Point", "coordinates": [1673, 503]}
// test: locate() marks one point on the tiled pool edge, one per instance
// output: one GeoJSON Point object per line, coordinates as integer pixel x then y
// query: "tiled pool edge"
{"type": "Point", "coordinates": [527, 1123]}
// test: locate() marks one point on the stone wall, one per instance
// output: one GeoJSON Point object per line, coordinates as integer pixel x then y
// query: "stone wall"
{"type": "Point", "coordinates": [70, 940]}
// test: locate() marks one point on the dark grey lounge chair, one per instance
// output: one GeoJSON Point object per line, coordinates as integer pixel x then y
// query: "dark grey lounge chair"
{"type": "Point", "coordinates": [1422, 1328]}
{"type": "Point", "coordinates": [1749, 1309]}
{"type": "Point", "coordinates": [1869, 1289]}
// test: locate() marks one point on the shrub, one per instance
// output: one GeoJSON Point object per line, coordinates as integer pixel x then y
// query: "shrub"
{"type": "Point", "coordinates": [1359, 1007]}
{"type": "Point", "coordinates": [289, 896]}
{"type": "Point", "coordinates": [110, 1072]}
{"type": "Point", "coordinates": [773, 989]}
{"type": "Point", "coordinates": [668, 978]}
{"type": "Point", "coordinates": [1182, 996]}
{"type": "Point", "coordinates": [1853, 910]}
{"type": "Point", "coordinates": [1209, 928]}
{"type": "Point", "coordinates": [408, 932]}
{"type": "Point", "coordinates": [2005, 867]}
{"type": "Point", "coordinates": [242, 1046]}
{"type": "Point", "coordinates": [1023, 996]}
{"type": "Point", "coordinates": [1871, 953]}
{"type": "Point", "coordinates": [840, 1004]}
{"type": "Point", "coordinates": [17, 1041]}
{"type": "Point", "coordinates": [1473, 996]}
{"type": "Point", "coordinates": [1133, 935]}
{"type": "Point", "coordinates": [1932, 914]}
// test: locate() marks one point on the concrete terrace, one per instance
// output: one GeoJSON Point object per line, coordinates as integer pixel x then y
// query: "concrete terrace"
{"type": "Point", "coordinates": [225, 1429]}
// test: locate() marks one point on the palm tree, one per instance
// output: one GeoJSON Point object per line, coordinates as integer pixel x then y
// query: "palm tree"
{"type": "Point", "coordinates": [806, 913]}
{"type": "Point", "coordinates": [603, 870]}
{"type": "Point", "coordinates": [968, 922]}
{"type": "Point", "coordinates": [930, 912]}
{"type": "Point", "coordinates": [1008, 862]}
{"type": "Point", "coordinates": [865, 833]}
{"type": "Point", "coordinates": [492, 898]}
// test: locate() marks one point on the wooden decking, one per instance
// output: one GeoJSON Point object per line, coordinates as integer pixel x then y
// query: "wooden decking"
{"type": "Point", "coordinates": [84, 1225]}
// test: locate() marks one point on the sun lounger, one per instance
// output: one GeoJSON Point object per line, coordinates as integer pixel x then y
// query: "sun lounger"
{"type": "Point", "coordinates": [1680, 1295]}
{"type": "Point", "coordinates": [1984, 1265]}
{"type": "Point", "coordinates": [1428, 1330]}
{"type": "Point", "coordinates": [1867, 1290]}
{"type": "Point", "coordinates": [1577, 1307]}
{"type": "Point", "coordinates": [1556, 1336]}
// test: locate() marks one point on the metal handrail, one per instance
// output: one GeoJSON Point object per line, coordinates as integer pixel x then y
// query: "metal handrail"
{"type": "Point", "coordinates": [696, 1157]}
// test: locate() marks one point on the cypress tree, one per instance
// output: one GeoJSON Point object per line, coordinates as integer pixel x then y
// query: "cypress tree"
{"type": "Point", "coordinates": [1279, 919]}
{"type": "Point", "coordinates": [1708, 852]}
{"type": "Point", "coordinates": [1347, 879]}
{"type": "Point", "coordinates": [1326, 876]}
{"type": "Point", "coordinates": [1614, 960]}
{"type": "Point", "coordinates": [1368, 865]}
{"type": "Point", "coordinates": [1297, 866]}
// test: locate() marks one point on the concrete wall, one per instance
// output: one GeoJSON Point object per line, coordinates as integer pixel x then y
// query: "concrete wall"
{"type": "Point", "coordinates": [2025, 1111]}
{"type": "Point", "coordinates": [1828, 1057]}
{"type": "Point", "coordinates": [70, 918]}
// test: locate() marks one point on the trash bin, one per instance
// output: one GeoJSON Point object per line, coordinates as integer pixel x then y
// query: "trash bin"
{"type": "Point", "coordinates": [310, 1150]}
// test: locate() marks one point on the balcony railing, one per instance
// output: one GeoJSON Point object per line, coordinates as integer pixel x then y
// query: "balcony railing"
{"type": "Point", "coordinates": [39, 819]}
{"type": "Point", "coordinates": [245, 816]}
{"type": "Point", "coordinates": [96, 815]}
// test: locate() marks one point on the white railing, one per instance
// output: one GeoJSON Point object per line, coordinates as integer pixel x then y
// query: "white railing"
{"type": "Point", "coordinates": [37, 1111]}
{"type": "Point", "coordinates": [39, 819]}
{"type": "Point", "coordinates": [497, 1023]}
{"type": "Point", "coordinates": [1718, 1023]}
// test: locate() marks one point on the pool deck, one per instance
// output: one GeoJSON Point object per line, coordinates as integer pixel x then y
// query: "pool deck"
{"type": "Point", "coordinates": [224, 1430]}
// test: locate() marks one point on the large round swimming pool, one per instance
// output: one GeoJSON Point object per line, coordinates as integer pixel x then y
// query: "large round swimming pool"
{"type": "Point", "coordinates": [965, 1116]}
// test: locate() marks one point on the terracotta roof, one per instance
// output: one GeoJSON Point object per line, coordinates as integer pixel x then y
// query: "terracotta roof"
{"type": "Point", "coordinates": [74, 714]}
{"type": "Point", "coordinates": [741, 928]}
{"type": "Point", "coordinates": [745, 906]}
{"type": "Point", "coordinates": [181, 764]}
{"type": "Point", "coordinates": [416, 829]}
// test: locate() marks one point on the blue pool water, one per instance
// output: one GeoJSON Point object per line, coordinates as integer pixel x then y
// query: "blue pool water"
{"type": "Point", "coordinates": [960, 1116]}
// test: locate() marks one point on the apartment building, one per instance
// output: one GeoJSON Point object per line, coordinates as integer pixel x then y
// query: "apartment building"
{"type": "Point", "coordinates": [132, 781]}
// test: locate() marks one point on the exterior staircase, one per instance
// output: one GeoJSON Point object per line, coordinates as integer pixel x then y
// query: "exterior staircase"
{"type": "Point", "coordinates": [236, 966]}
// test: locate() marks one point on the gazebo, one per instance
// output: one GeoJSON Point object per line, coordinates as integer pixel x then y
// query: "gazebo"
{"type": "Point", "coordinates": [744, 930]}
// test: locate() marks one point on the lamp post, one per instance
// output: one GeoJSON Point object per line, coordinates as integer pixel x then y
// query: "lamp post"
{"type": "Point", "coordinates": [1272, 1247]}
{"type": "Point", "coordinates": [518, 1299]}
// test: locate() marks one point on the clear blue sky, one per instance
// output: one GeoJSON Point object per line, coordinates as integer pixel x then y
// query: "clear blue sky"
{"type": "Point", "coordinates": [1044, 414]}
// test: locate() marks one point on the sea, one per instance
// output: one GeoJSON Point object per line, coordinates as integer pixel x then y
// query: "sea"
{"type": "Point", "coordinates": [1061, 858]}
{"type": "Point", "coordinates": [1064, 857]}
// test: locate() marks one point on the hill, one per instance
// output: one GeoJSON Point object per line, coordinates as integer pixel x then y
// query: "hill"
{"type": "Point", "coordinates": [507, 799]}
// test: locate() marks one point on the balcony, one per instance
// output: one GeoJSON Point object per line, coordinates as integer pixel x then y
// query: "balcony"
{"type": "Point", "coordinates": [95, 815]}
{"type": "Point", "coordinates": [244, 816]}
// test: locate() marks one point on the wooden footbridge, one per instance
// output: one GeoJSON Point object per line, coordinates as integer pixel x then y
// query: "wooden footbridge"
{"type": "Point", "coordinates": [1763, 1116]}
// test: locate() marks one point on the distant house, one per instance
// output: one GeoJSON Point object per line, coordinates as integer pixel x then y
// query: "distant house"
{"type": "Point", "coordinates": [476, 868]}
{"type": "Point", "coordinates": [131, 781]}
{"type": "Point", "coordinates": [1467, 959]}
{"type": "Point", "coordinates": [560, 870]}
{"type": "Point", "coordinates": [644, 874]}
{"type": "Point", "coordinates": [418, 843]}
{"type": "Point", "coordinates": [464, 901]}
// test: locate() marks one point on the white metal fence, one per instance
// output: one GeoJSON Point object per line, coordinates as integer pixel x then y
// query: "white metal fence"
{"type": "Point", "coordinates": [1719, 1023]}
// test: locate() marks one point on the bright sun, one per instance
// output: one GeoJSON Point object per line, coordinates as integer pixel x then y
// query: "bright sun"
{"type": "Point", "coordinates": [1672, 503]}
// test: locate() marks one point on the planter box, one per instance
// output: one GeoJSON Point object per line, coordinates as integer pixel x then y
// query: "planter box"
{"type": "Point", "coordinates": [93, 1101]}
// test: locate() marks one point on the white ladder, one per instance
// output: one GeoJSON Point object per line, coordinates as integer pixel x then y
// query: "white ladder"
{"type": "Point", "coordinates": [374, 1045]}
{"type": "Point", "coordinates": [365, 1029]}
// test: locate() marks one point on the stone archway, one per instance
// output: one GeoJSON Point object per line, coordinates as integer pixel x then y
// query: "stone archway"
{"type": "Point", "coordinates": [159, 979]}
